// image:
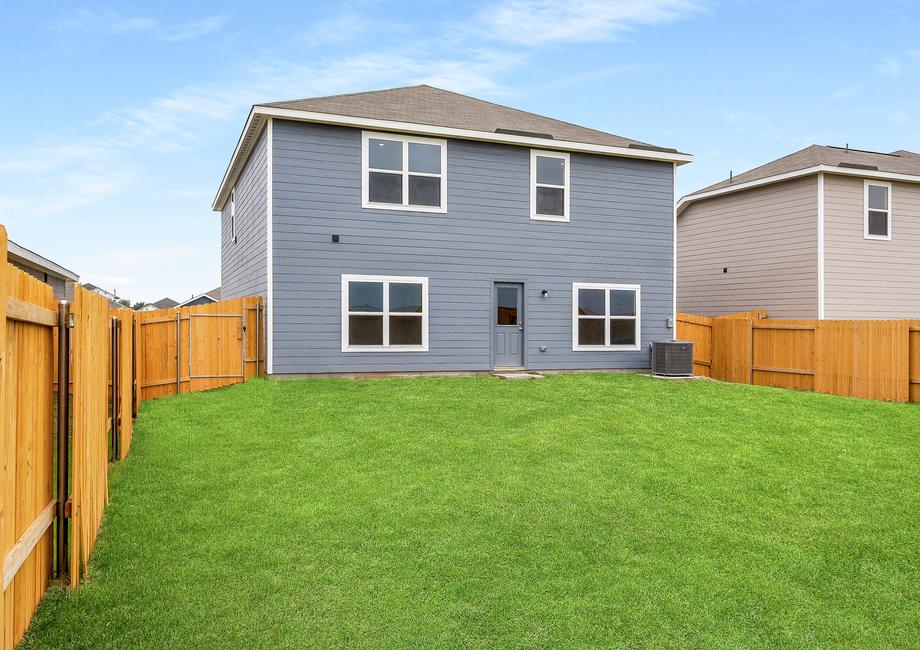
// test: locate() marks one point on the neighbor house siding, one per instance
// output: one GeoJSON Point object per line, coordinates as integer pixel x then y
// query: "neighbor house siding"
{"type": "Point", "coordinates": [755, 249]}
{"type": "Point", "coordinates": [620, 232]}
{"type": "Point", "coordinates": [63, 288]}
{"type": "Point", "coordinates": [243, 263]}
{"type": "Point", "coordinates": [866, 278]}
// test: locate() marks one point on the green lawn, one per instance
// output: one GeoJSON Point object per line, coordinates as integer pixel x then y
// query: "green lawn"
{"type": "Point", "coordinates": [568, 511]}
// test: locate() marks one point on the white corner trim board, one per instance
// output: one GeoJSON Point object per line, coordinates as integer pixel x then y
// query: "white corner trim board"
{"type": "Point", "coordinates": [269, 273]}
{"type": "Point", "coordinates": [259, 114]}
{"type": "Point", "coordinates": [821, 246]}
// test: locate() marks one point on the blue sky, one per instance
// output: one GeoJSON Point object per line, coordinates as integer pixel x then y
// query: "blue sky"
{"type": "Point", "coordinates": [121, 117]}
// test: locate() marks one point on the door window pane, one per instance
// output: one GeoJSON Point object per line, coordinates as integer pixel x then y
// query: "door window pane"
{"type": "Point", "coordinates": [507, 313]}
{"type": "Point", "coordinates": [551, 201]}
{"type": "Point", "coordinates": [365, 330]}
{"type": "Point", "coordinates": [591, 302]}
{"type": "Point", "coordinates": [406, 297]}
{"type": "Point", "coordinates": [424, 190]}
{"type": "Point", "coordinates": [365, 296]}
{"type": "Point", "coordinates": [424, 158]}
{"type": "Point", "coordinates": [384, 154]}
{"type": "Point", "coordinates": [878, 223]}
{"type": "Point", "coordinates": [384, 188]}
{"type": "Point", "coordinates": [878, 197]}
{"type": "Point", "coordinates": [405, 330]}
{"type": "Point", "coordinates": [622, 332]}
{"type": "Point", "coordinates": [550, 171]}
{"type": "Point", "coordinates": [622, 303]}
{"type": "Point", "coordinates": [590, 331]}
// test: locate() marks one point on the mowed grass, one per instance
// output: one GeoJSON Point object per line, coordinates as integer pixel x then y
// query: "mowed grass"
{"type": "Point", "coordinates": [568, 511]}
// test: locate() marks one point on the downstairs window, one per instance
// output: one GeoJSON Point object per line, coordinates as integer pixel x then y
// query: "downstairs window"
{"type": "Point", "coordinates": [384, 313]}
{"type": "Point", "coordinates": [605, 317]}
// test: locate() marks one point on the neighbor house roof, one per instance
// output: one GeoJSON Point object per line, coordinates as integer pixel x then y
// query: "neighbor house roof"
{"type": "Point", "coordinates": [213, 294]}
{"type": "Point", "coordinates": [432, 111]}
{"type": "Point", "coordinates": [898, 165]}
{"type": "Point", "coordinates": [165, 303]}
{"type": "Point", "coordinates": [23, 255]}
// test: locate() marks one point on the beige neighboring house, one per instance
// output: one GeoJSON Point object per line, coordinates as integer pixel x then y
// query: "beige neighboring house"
{"type": "Point", "coordinates": [38, 266]}
{"type": "Point", "coordinates": [826, 232]}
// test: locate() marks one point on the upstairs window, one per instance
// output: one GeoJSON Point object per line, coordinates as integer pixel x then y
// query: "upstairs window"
{"type": "Point", "coordinates": [384, 314]}
{"type": "Point", "coordinates": [877, 210]}
{"type": "Point", "coordinates": [605, 317]}
{"type": "Point", "coordinates": [404, 173]}
{"type": "Point", "coordinates": [549, 186]}
{"type": "Point", "coordinates": [233, 215]}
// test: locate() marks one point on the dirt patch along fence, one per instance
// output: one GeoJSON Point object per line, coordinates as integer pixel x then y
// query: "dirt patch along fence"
{"type": "Point", "coordinates": [71, 376]}
{"type": "Point", "coordinates": [872, 359]}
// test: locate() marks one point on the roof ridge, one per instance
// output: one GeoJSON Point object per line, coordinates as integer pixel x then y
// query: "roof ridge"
{"type": "Point", "coordinates": [520, 110]}
{"type": "Point", "coordinates": [363, 92]}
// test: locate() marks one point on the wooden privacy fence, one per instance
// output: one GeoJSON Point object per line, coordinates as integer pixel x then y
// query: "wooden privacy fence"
{"type": "Point", "coordinates": [856, 358]}
{"type": "Point", "coordinates": [188, 349]}
{"type": "Point", "coordinates": [71, 377]}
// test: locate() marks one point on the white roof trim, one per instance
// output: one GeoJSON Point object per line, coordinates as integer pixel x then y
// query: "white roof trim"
{"type": "Point", "coordinates": [194, 298]}
{"type": "Point", "coordinates": [40, 262]}
{"type": "Point", "coordinates": [827, 169]}
{"type": "Point", "coordinates": [258, 114]}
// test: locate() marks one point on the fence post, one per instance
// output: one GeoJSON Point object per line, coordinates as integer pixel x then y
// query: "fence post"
{"type": "Point", "coordinates": [63, 441]}
{"type": "Point", "coordinates": [178, 350]}
{"type": "Point", "coordinates": [7, 449]}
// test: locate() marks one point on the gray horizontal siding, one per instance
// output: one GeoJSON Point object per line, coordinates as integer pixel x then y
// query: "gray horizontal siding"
{"type": "Point", "coordinates": [244, 263]}
{"type": "Point", "coordinates": [621, 232]}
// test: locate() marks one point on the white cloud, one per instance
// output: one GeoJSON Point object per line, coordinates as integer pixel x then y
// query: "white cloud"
{"type": "Point", "coordinates": [108, 22]}
{"type": "Point", "coordinates": [537, 22]}
{"type": "Point", "coordinates": [898, 66]}
{"type": "Point", "coordinates": [194, 29]}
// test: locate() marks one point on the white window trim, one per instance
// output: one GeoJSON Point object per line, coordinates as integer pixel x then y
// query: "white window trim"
{"type": "Point", "coordinates": [404, 206]}
{"type": "Point", "coordinates": [607, 347]}
{"type": "Point", "coordinates": [386, 280]}
{"type": "Point", "coordinates": [866, 185]}
{"type": "Point", "coordinates": [533, 186]}
{"type": "Point", "coordinates": [233, 216]}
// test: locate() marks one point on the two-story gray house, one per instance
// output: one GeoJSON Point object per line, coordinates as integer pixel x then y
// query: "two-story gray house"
{"type": "Point", "coordinates": [416, 229]}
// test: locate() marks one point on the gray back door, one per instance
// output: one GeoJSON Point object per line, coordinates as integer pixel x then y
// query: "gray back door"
{"type": "Point", "coordinates": [508, 333]}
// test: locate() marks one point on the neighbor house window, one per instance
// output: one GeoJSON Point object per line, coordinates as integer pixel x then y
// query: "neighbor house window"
{"type": "Point", "coordinates": [233, 215]}
{"type": "Point", "coordinates": [605, 317]}
{"type": "Point", "coordinates": [549, 186]}
{"type": "Point", "coordinates": [878, 210]}
{"type": "Point", "coordinates": [404, 173]}
{"type": "Point", "coordinates": [384, 313]}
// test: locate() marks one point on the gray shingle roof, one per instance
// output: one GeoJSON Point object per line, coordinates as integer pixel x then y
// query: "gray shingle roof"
{"type": "Point", "coordinates": [896, 162]}
{"type": "Point", "coordinates": [433, 106]}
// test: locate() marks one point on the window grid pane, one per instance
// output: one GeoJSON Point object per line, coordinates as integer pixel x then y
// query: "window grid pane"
{"type": "Point", "coordinates": [385, 313]}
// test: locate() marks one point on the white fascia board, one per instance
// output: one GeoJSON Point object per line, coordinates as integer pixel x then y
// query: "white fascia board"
{"type": "Point", "coordinates": [817, 169]}
{"type": "Point", "coordinates": [437, 131]}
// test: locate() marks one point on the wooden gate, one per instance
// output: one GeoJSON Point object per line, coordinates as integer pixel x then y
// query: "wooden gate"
{"type": "Point", "coordinates": [188, 349]}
